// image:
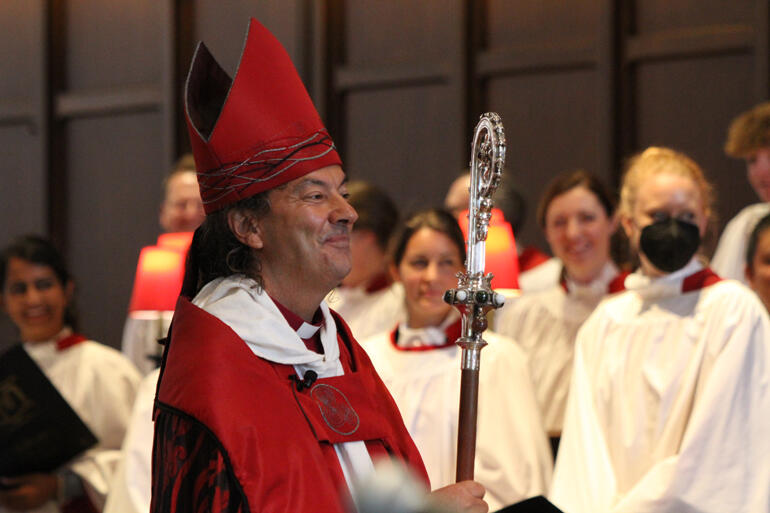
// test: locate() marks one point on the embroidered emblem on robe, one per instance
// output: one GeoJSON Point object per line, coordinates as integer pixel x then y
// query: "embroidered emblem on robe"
{"type": "Point", "coordinates": [335, 408]}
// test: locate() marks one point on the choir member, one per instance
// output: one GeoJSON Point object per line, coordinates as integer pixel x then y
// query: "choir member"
{"type": "Point", "coordinates": [668, 402]}
{"type": "Point", "coordinates": [37, 291]}
{"type": "Point", "coordinates": [748, 138]}
{"type": "Point", "coordinates": [420, 364]}
{"type": "Point", "coordinates": [758, 260]}
{"type": "Point", "coordinates": [577, 215]}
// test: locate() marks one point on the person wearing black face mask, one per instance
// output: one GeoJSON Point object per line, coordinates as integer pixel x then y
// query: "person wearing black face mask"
{"type": "Point", "coordinates": [667, 392]}
{"type": "Point", "coordinates": [669, 243]}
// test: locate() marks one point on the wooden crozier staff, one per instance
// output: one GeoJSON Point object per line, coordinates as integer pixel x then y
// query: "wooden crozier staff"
{"type": "Point", "coordinates": [474, 296]}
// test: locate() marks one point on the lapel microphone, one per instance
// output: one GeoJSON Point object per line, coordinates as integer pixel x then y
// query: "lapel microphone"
{"type": "Point", "coordinates": [306, 382]}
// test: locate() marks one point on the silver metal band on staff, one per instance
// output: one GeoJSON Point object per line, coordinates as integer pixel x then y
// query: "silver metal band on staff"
{"type": "Point", "coordinates": [474, 296]}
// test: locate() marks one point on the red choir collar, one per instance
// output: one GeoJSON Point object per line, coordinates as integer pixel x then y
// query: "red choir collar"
{"type": "Point", "coordinates": [69, 341]}
{"type": "Point", "coordinates": [690, 278]}
{"type": "Point", "coordinates": [700, 280]}
{"type": "Point", "coordinates": [380, 282]}
{"type": "Point", "coordinates": [451, 334]}
{"type": "Point", "coordinates": [617, 284]}
{"type": "Point", "coordinates": [530, 258]}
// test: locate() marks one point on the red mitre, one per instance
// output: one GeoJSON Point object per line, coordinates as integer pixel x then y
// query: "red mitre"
{"type": "Point", "coordinates": [255, 132]}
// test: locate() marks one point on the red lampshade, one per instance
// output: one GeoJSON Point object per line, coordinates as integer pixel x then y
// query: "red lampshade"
{"type": "Point", "coordinates": [501, 256]}
{"type": "Point", "coordinates": [158, 279]}
{"type": "Point", "coordinates": [179, 241]}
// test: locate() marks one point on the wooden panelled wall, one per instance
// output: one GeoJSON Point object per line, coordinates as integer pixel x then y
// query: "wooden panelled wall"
{"type": "Point", "coordinates": [90, 101]}
{"type": "Point", "coordinates": [578, 84]}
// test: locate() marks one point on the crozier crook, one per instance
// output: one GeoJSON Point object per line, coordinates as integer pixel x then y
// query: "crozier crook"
{"type": "Point", "coordinates": [474, 296]}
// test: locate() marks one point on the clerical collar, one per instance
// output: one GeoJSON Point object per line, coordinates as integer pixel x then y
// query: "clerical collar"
{"type": "Point", "coordinates": [305, 330]}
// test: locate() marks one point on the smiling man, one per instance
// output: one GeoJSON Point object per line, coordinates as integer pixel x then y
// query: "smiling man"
{"type": "Point", "coordinates": [265, 400]}
{"type": "Point", "coordinates": [748, 138]}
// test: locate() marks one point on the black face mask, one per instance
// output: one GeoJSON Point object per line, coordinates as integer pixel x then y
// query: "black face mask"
{"type": "Point", "coordinates": [670, 244]}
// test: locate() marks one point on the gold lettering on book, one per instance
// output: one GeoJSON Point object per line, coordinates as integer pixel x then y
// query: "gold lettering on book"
{"type": "Point", "coordinates": [15, 405]}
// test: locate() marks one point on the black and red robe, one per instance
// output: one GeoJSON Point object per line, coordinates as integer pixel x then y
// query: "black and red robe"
{"type": "Point", "coordinates": [234, 434]}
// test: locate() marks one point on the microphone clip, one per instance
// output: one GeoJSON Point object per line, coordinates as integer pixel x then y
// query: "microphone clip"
{"type": "Point", "coordinates": [306, 382]}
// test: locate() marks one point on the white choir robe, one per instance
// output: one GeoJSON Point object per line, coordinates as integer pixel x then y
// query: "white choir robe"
{"type": "Point", "coordinates": [368, 313]}
{"type": "Point", "coordinates": [100, 384]}
{"type": "Point", "coordinates": [140, 338]}
{"type": "Point", "coordinates": [668, 407]}
{"type": "Point", "coordinates": [730, 256]}
{"type": "Point", "coordinates": [131, 489]}
{"type": "Point", "coordinates": [545, 324]}
{"type": "Point", "coordinates": [541, 277]}
{"type": "Point", "coordinates": [513, 458]}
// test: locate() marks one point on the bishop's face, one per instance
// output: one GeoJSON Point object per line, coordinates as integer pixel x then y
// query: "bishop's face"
{"type": "Point", "coordinates": [306, 235]}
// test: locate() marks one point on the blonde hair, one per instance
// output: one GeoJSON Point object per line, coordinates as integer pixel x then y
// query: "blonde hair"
{"type": "Point", "coordinates": [749, 132]}
{"type": "Point", "coordinates": [658, 160]}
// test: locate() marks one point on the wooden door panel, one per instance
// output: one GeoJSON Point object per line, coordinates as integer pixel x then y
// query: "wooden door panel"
{"type": "Point", "coordinates": [114, 44]}
{"type": "Point", "coordinates": [115, 183]}
{"type": "Point", "coordinates": [688, 104]}
{"type": "Point", "coordinates": [663, 15]}
{"type": "Point", "coordinates": [404, 140]}
{"type": "Point", "coordinates": [550, 126]}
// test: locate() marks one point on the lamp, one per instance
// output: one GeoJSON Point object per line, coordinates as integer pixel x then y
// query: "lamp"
{"type": "Point", "coordinates": [179, 241]}
{"type": "Point", "coordinates": [158, 279]}
{"type": "Point", "coordinates": [157, 284]}
{"type": "Point", "coordinates": [501, 257]}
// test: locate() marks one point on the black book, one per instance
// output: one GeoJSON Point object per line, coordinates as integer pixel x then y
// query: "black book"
{"type": "Point", "coordinates": [39, 430]}
{"type": "Point", "coordinates": [537, 504]}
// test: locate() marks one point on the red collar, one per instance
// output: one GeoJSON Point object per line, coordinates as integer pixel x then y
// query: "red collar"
{"type": "Point", "coordinates": [702, 279]}
{"type": "Point", "coordinates": [617, 284]}
{"type": "Point", "coordinates": [452, 333]}
{"type": "Point", "coordinates": [380, 282]}
{"type": "Point", "coordinates": [69, 341]}
{"type": "Point", "coordinates": [531, 257]}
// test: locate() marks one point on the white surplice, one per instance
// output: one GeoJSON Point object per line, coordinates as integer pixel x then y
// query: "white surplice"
{"type": "Point", "coordinates": [513, 458]}
{"type": "Point", "coordinates": [541, 277]}
{"type": "Point", "coordinates": [141, 333]}
{"type": "Point", "coordinates": [368, 313]}
{"type": "Point", "coordinates": [545, 324]}
{"type": "Point", "coordinates": [100, 384]}
{"type": "Point", "coordinates": [130, 491]}
{"type": "Point", "coordinates": [669, 401]}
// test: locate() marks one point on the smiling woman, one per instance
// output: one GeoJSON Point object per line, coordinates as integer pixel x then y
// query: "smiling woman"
{"type": "Point", "coordinates": [36, 291]}
{"type": "Point", "coordinates": [36, 294]}
{"type": "Point", "coordinates": [577, 214]}
{"type": "Point", "coordinates": [420, 364]}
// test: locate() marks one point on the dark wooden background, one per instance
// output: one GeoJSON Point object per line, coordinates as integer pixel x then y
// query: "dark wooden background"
{"type": "Point", "coordinates": [90, 101]}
